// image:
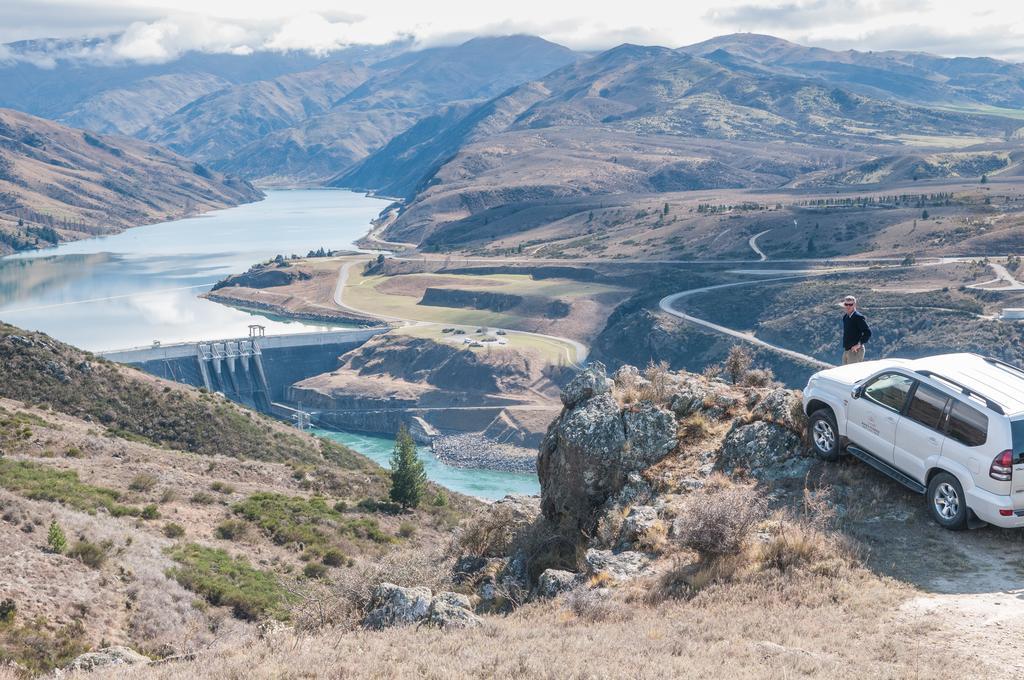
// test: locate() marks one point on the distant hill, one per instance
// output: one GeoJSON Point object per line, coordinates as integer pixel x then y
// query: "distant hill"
{"type": "Point", "coordinates": [909, 76]}
{"type": "Point", "coordinates": [59, 183]}
{"type": "Point", "coordinates": [396, 94]}
{"type": "Point", "coordinates": [646, 120]}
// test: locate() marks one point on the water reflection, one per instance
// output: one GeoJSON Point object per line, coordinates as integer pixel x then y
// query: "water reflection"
{"type": "Point", "coordinates": [143, 285]}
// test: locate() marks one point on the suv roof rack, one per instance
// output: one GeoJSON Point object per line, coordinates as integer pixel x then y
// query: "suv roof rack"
{"type": "Point", "coordinates": [964, 389]}
{"type": "Point", "coordinates": [1009, 368]}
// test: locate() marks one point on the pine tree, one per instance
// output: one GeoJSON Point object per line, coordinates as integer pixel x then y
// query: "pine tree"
{"type": "Point", "coordinates": [56, 540]}
{"type": "Point", "coordinates": [408, 478]}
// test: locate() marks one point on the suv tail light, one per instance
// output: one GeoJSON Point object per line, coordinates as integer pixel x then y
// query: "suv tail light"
{"type": "Point", "coordinates": [1002, 466]}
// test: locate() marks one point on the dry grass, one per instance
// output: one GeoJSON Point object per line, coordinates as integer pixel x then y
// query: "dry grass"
{"type": "Point", "coordinates": [718, 520]}
{"type": "Point", "coordinates": [775, 626]}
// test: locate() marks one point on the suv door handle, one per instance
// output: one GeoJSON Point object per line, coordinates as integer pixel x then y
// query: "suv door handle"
{"type": "Point", "coordinates": [890, 419]}
{"type": "Point", "coordinates": [933, 440]}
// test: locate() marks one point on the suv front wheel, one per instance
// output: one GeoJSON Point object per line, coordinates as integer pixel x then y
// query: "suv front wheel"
{"type": "Point", "coordinates": [946, 501]}
{"type": "Point", "coordinates": [825, 434]}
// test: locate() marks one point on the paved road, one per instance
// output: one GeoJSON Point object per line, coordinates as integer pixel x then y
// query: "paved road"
{"type": "Point", "coordinates": [753, 244]}
{"type": "Point", "coordinates": [666, 303]}
{"type": "Point", "coordinates": [1002, 275]}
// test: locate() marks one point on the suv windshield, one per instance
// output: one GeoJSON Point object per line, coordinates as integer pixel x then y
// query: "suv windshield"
{"type": "Point", "coordinates": [1017, 429]}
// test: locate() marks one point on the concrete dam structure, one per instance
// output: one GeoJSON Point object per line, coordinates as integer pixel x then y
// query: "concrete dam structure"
{"type": "Point", "coordinates": [255, 371]}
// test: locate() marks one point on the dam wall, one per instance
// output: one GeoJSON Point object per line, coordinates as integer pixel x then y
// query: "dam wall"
{"type": "Point", "coordinates": [255, 371]}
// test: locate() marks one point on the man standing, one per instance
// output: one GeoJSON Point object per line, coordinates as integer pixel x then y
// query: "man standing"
{"type": "Point", "coordinates": [855, 332]}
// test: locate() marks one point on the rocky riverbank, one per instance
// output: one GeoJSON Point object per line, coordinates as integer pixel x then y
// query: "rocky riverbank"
{"type": "Point", "coordinates": [474, 451]}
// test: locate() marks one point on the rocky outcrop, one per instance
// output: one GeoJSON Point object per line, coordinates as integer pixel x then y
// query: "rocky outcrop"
{"type": "Point", "coordinates": [392, 605]}
{"type": "Point", "coordinates": [592, 447]}
{"type": "Point", "coordinates": [762, 449]}
{"type": "Point", "coordinates": [619, 566]}
{"type": "Point", "coordinates": [107, 657]}
{"type": "Point", "coordinates": [554, 582]}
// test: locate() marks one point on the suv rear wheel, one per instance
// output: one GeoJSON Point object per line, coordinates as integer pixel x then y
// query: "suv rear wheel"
{"type": "Point", "coordinates": [946, 501]}
{"type": "Point", "coordinates": [825, 434]}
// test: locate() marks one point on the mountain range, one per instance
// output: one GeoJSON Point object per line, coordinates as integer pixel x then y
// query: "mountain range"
{"type": "Point", "coordinates": [519, 121]}
{"type": "Point", "coordinates": [59, 183]}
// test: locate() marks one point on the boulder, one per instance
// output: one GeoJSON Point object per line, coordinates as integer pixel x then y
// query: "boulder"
{"type": "Point", "coordinates": [466, 567]}
{"type": "Point", "coordinates": [650, 433]}
{"type": "Point", "coordinates": [620, 566]}
{"type": "Point", "coordinates": [452, 610]}
{"type": "Point", "coordinates": [589, 452]}
{"type": "Point", "coordinates": [392, 605]}
{"type": "Point", "coordinates": [108, 656]}
{"type": "Point", "coordinates": [782, 407]}
{"type": "Point", "coordinates": [688, 399]}
{"type": "Point", "coordinates": [589, 383]}
{"type": "Point", "coordinates": [553, 582]}
{"type": "Point", "coordinates": [761, 448]}
{"type": "Point", "coordinates": [639, 520]}
{"type": "Point", "coordinates": [626, 375]}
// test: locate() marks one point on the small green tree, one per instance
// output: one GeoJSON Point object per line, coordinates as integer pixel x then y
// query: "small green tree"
{"type": "Point", "coordinates": [55, 539]}
{"type": "Point", "coordinates": [408, 478]}
{"type": "Point", "coordinates": [984, 179]}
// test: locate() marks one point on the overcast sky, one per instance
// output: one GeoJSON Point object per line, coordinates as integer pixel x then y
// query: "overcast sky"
{"type": "Point", "coordinates": [160, 31]}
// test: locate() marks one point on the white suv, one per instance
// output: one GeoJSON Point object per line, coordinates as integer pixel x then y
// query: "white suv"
{"type": "Point", "coordinates": [949, 426]}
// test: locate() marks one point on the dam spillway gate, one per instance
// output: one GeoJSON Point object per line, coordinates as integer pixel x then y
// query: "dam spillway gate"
{"type": "Point", "coordinates": [255, 371]}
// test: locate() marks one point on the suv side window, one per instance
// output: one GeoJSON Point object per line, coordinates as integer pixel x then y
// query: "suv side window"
{"type": "Point", "coordinates": [967, 425]}
{"type": "Point", "coordinates": [926, 406]}
{"type": "Point", "coordinates": [890, 390]}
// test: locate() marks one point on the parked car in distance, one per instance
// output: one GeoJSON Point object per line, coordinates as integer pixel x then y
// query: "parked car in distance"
{"type": "Point", "coordinates": [950, 427]}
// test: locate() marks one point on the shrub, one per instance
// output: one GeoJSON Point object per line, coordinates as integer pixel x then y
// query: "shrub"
{"type": "Point", "coordinates": [7, 610]}
{"type": "Point", "coordinates": [231, 529]}
{"type": "Point", "coordinates": [173, 530]}
{"type": "Point", "coordinates": [309, 521]}
{"type": "Point", "coordinates": [696, 426]}
{"type": "Point", "coordinates": [314, 570]}
{"type": "Point", "coordinates": [333, 557]}
{"type": "Point", "coordinates": [759, 377]}
{"type": "Point", "coordinates": [38, 482]}
{"type": "Point", "coordinates": [406, 530]}
{"type": "Point", "coordinates": [593, 605]}
{"type": "Point", "coordinates": [439, 500]}
{"type": "Point", "coordinates": [340, 506]}
{"type": "Point", "coordinates": [143, 482]}
{"type": "Point", "coordinates": [658, 384]}
{"type": "Point", "coordinates": [168, 495]}
{"type": "Point", "coordinates": [40, 647]}
{"type": "Point", "coordinates": [222, 487]}
{"type": "Point", "coordinates": [150, 512]}
{"type": "Point", "coordinates": [718, 519]}
{"type": "Point", "coordinates": [408, 478]}
{"type": "Point", "coordinates": [55, 539]}
{"type": "Point", "coordinates": [203, 498]}
{"type": "Point", "coordinates": [228, 581]}
{"type": "Point", "coordinates": [90, 554]}
{"type": "Point", "coordinates": [737, 363]}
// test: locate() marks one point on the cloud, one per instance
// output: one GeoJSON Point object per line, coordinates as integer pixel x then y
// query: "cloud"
{"type": "Point", "coordinates": [998, 41]}
{"type": "Point", "coordinates": [318, 34]}
{"type": "Point", "coordinates": [809, 13]}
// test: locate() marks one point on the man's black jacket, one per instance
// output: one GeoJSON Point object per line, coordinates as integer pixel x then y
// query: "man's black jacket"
{"type": "Point", "coordinates": [855, 329]}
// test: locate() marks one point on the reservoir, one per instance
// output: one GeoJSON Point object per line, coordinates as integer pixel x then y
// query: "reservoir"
{"type": "Point", "coordinates": [143, 284]}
